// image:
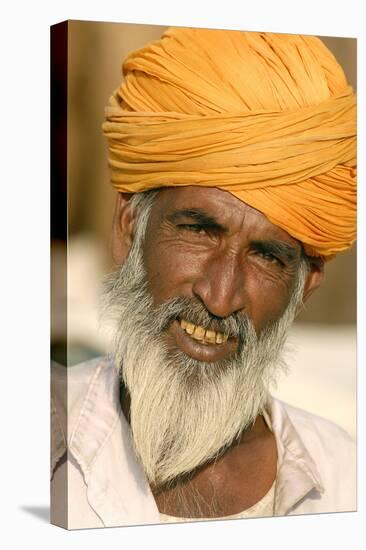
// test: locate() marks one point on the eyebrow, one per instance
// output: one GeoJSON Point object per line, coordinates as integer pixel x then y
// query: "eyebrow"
{"type": "Point", "coordinates": [198, 216]}
{"type": "Point", "coordinates": [277, 248]}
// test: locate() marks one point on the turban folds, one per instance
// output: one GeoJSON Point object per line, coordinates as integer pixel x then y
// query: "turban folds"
{"type": "Point", "coordinates": [267, 117]}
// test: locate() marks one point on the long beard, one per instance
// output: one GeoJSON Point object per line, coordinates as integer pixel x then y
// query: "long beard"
{"type": "Point", "coordinates": [185, 413]}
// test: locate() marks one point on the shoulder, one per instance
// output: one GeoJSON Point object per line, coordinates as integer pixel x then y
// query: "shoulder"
{"type": "Point", "coordinates": [329, 444]}
{"type": "Point", "coordinates": [81, 394]}
{"type": "Point", "coordinates": [310, 424]}
{"type": "Point", "coordinates": [318, 451]}
{"type": "Point", "coordinates": [80, 375]}
{"type": "Point", "coordinates": [79, 380]}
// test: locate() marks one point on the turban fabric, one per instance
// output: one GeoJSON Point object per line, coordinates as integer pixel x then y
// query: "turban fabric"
{"type": "Point", "coordinates": [269, 118]}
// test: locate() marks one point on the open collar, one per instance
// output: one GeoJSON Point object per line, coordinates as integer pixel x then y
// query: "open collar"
{"type": "Point", "coordinates": [297, 474]}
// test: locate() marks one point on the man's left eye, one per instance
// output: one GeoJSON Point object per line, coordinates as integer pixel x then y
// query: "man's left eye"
{"type": "Point", "coordinates": [194, 228]}
{"type": "Point", "coordinates": [271, 258]}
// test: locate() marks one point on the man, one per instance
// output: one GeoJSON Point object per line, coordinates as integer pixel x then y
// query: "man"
{"type": "Point", "coordinates": [233, 155]}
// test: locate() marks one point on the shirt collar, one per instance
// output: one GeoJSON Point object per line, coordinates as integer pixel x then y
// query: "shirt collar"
{"type": "Point", "coordinates": [98, 416]}
{"type": "Point", "coordinates": [297, 473]}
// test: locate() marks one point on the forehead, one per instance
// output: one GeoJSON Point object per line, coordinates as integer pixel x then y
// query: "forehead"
{"type": "Point", "coordinates": [228, 211]}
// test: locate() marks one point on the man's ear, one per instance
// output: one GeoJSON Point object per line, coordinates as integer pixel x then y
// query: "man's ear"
{"type": "Point", "coordinates": [122, 230]}
{"type": "Point", "coordinates": [314, 277]}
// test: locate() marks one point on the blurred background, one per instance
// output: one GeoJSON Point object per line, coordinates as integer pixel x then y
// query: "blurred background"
{"type": "Point", "coordinates": [322, 345]}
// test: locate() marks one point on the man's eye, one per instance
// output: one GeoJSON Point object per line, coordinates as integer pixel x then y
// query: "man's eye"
{"type": "Point", "coordinates": [271, 258]}
{"type": "Point", "coordinates": [193, 227]}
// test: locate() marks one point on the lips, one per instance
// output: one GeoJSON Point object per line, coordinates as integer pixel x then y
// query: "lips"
{"type": "Point", "coordinates": [200, 343]}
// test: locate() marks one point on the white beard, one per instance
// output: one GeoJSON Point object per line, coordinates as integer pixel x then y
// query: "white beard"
{"type": "Point", "coordinates": [183, 412]}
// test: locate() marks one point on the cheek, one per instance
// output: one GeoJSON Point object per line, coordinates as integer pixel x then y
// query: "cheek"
{"type": "Point", "coordinates": [267, 298]}
{"type": "Point", "coordinates": [171, 268]}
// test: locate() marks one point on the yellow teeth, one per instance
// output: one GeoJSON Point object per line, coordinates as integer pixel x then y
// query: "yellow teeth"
{"type": "Point", "coordinates": [199, 333]}
{"type": "Point", "coordinates": [210, 336]}
{"type": "Point", "coordinates": [202, 335]}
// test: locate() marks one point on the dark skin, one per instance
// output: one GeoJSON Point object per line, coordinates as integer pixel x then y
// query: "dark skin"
{"type": "Point", "coordinates": [206, 244]}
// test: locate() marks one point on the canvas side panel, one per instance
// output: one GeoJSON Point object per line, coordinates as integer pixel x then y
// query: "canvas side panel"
{"type": "Point", "coordinates": [59, 101]}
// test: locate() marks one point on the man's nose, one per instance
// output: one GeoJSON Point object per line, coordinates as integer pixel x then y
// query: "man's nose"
{"type": "Point", "coordinates": [221, 285]}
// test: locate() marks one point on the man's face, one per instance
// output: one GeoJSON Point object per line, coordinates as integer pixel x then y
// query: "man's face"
{"type": "Point", "coordinates": [205, 244]}
{"type": "Point", "coordinates": [201, 307]}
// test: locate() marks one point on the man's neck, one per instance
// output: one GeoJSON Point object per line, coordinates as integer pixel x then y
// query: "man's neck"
{"type": "Point", "coordinates": [233, 483]}
{"type": "Point", "coordinates": [228, 485]}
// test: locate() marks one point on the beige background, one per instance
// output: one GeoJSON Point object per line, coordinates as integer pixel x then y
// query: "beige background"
{"type": "Point", "coordinates": [323, 370]}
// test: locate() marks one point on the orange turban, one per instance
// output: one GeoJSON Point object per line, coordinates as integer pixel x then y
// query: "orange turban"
{"type": "Point", "coordinates": [268, 117]}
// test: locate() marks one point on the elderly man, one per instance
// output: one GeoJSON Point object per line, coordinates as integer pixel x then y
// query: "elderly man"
{"type": "Point", "coordinates": [233, 155]}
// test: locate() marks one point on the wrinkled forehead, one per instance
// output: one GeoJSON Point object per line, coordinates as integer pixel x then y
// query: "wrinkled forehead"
{"type": "Point", "coordinates": [221, 207]}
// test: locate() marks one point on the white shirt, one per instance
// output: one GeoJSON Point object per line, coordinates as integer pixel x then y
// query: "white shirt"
{"type": "Point", "coordinates": [98, 482]}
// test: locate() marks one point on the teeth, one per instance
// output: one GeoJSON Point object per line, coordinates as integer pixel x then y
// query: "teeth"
{"type": "Point", "coordinates": [219, 338]}
{"type": "Point", "coordinates": [202, 335]}
{"type": "Point", "coordinates": [199, 333]}
{"type": "Point", "coordinates": [210, 336]}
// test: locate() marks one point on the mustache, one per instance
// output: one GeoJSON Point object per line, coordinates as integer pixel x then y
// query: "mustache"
{"type": "Point", "coordinates": [192, 310]}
